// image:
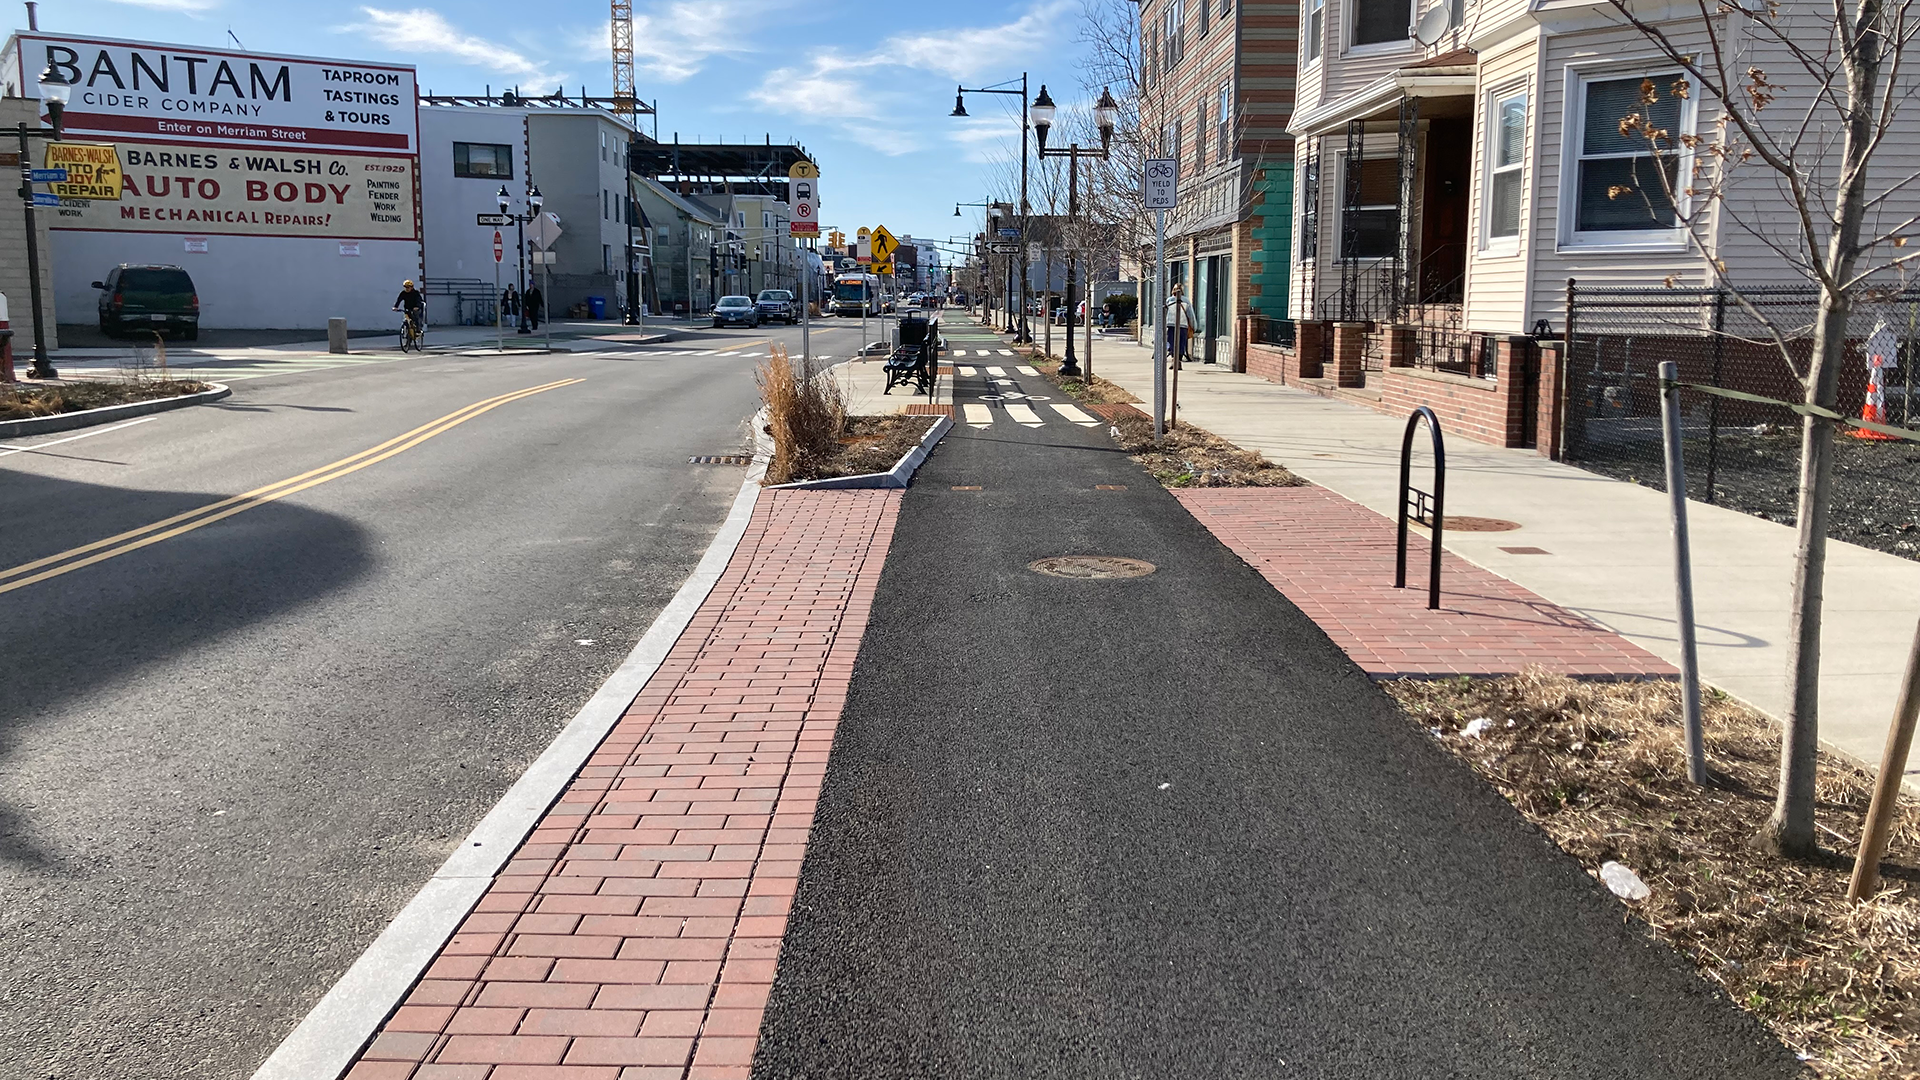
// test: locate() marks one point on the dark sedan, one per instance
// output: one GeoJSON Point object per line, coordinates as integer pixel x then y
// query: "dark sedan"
{"type": "Point", "coordinates": [735, 311]}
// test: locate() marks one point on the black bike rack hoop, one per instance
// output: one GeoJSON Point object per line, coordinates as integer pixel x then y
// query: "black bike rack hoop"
{"type": "Point", "coordinates": [1435, 501]}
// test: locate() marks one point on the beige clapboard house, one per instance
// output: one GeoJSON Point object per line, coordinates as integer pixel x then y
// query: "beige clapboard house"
{"type": "Point", "coordinates": [1458, 161]}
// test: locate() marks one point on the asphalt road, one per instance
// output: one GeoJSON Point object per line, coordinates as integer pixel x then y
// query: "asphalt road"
{"type": "Point", "coordinates": [229, 757]}
{"type": "Point", "coordinates": [1162, 828]}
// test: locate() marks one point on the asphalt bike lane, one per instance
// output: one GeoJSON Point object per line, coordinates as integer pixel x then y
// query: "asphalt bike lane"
{"type": "Point", "coordinates": [1161, 827]}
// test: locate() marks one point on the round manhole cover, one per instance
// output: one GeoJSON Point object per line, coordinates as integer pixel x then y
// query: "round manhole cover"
{"type": "Point", "coordinates": [1479, 524]}
{"type": "Point", "coordinates": [1091, 566]}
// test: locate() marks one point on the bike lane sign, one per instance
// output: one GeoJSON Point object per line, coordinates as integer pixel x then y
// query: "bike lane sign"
{"type": "Point", "coordinates": [1162, 183]}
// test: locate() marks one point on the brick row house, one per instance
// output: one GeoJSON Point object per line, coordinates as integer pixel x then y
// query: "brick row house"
{"type": "Point", "coordinates": [1457, 162]}
{"type": "Point", "coordinates": [1216, 93]}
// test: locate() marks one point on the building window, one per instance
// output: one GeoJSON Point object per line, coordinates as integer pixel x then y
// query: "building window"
{"type": "Point", "coordinates": [1310, 208]}
{"type": "Point", "coordinates": [483, 159]}
{"type": "Point", "coordinates": [603, 145]}
{"type": "Point", "coordinates": [1175, 155]}
{"type": "Point", "coordinates": [1206, 17]}
{"type": "Point", "coordinates": [1200, 136]}
{"type": "Point", "coordinates": [1316, 22]}
{"type": "Point", "coordinates": [1223, 123]}
{"type": "Point", "coordinates": [1618, 186]}
{"type": "Point", "coordinates": [1380, 22]}
{"type": "Point", "coordinates": [766, 219]}
{"type": "Point", "coordinates": [1370, 228]}
{"type": "Point", "coordinates": [606, 258]}
{"type": "Point", "coordinates": [1173, 32]}
{"type": "Point", "coordinates": [1506, 165]}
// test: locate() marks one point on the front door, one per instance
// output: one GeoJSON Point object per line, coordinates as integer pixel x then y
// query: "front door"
{"type": "Point", "coordinates": [1443, 212]}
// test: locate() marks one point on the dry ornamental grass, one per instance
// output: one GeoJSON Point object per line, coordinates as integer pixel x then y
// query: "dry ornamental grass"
{"type": "Point", "coordinates": [1602, 768]}
{"type": "Point", "coordinates": [805, 418]}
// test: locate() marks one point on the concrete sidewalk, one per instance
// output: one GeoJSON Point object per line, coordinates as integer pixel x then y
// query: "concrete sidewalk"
{"type": "Point", "coordinates": [572, 336]}
{"type": "Point", "coordinates": [1610, 555]}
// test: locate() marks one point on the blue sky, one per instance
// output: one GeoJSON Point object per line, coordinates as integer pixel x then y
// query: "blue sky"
{"type": "Point", "coordinates": [865, 86]}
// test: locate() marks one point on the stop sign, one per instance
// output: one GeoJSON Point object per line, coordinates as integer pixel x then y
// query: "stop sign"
{"type": "Point", "coordinates": [498, 249]}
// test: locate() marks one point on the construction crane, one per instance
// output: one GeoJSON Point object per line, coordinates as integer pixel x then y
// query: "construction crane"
{"type": "Point", "coordinates": [625, 104]}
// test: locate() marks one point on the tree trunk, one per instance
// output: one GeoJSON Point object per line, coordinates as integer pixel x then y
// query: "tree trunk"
{"type": "Point", "coordinates": [1790, 830]}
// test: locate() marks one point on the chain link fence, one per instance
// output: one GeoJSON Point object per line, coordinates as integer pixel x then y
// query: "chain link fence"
{"type": "Point", "coordinates": [1742, 455]}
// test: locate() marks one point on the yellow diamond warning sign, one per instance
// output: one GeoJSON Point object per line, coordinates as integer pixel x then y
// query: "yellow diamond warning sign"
{"type": "Point", "coordinates": [93, 171]}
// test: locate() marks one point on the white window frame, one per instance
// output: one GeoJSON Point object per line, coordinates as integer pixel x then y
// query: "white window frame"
{"type": "Point", "coordinates": [1315, 33]}
{"type": "Point", "coordinates": [1223, 122]}
{"type": "Point", "coordinates": [1496, 102]}
{"type": "Point", "coordinates": [1572, 133]}
{"type": "Point", "coordinates": [1340, 205]}
{"type": "Point", "coordinates": [1350, 24]}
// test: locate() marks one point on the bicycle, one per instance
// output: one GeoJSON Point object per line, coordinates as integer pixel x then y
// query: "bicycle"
{"type": "Point", "coordinates": [412, 333]}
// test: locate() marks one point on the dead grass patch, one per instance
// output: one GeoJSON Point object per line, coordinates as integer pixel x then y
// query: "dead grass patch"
{"type": "Point", "coordinates": [1097, 392]}
{"type": "Point", "coordinates": [1602, 768]}
{"type": "Point", "coordinates": [19, 401]}
{"type": "Point", "coordinates": [1194, 457]}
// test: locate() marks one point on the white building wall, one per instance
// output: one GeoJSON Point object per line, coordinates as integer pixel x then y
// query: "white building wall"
{"type": "Point", "coordinates": [455, 246]}
{"type": "Point", "coordinates": [247, 282]}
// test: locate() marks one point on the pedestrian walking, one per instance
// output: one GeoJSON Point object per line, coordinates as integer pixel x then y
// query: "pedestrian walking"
{"type": "Point", "coordinates": [509, 303]}
{"type": "Point", "coordinates": [536, 306]}
{"type": "Point", "coordinates": [1179, 324]}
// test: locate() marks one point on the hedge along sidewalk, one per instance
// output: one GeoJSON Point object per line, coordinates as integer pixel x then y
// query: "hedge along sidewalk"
{"type": "Point", "coordinates": [1609, 554]}
{"type": "Point", "coordinates": [634, 934]}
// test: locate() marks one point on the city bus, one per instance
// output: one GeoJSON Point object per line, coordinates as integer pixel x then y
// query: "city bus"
{"type": "Point", "coordinates": [855, 294]}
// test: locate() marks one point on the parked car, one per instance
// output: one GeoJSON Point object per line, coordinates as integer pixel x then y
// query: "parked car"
{"type": "Point", "coordinates": [735, 311]}
{"type": "Point", "coordinates": [777, 304]}
{"type": "Point", "coordinates": [149, 298]}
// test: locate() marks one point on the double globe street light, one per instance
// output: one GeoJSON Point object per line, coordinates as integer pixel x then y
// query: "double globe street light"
{"type": "Point", "coordinates": [1106, 113]}
{"type": "Point", "coordinates": [1024, 333]}
{"type": "Point", "coordinates": [54, 91]}
{"type": "Point", "coordinates": [535, 201]}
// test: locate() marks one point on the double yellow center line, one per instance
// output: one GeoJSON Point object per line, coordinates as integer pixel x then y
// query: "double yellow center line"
{"type": "Point", "coordinates": [52, 566]}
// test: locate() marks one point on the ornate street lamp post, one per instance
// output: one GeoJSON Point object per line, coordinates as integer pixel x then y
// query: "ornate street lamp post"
{"type": "Point", "coordinates": [1106, 113]}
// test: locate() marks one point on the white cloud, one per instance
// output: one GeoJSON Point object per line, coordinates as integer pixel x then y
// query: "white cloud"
{"type": "Point", "coordinates": [673, 41]}
{"type": "Point", "coordinates": [853, 91]}
{"type": "Point", "coordinates": [422, 30]}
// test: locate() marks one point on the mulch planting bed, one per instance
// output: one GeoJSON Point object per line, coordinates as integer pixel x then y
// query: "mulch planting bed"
{"type": "Point", "coordinates": [1601, 768]}
{"type": "Point", "coordinates": [871, 444]}
{"type": "Point", "coordinates": [21, 401]}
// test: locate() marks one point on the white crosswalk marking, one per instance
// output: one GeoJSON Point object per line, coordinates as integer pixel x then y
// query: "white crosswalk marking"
{"type": "Point", "coordinates": [957, 352]}
{"type": "Point", "coordinates": [1024, 414]}
{"type": "Point", "coordinates": [1074, 413]}
{"type": "Point", "coordinates": [969, 372]}
{"type": "Point", "coordinates": [1006, 352]}
{"type": "Point", "coordinates": [997, 372]}
{"type": "Point", "coordinates": [1025, 370]}
{"type": "Point", "coordinates": [978, 416]}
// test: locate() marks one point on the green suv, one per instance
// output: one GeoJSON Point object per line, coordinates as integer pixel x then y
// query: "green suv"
{"type": "Point", "coordinates": [149, 298]}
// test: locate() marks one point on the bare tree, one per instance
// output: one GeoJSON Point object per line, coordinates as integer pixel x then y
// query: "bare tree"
{"type": "Point", "coordinates": [1802, 98]}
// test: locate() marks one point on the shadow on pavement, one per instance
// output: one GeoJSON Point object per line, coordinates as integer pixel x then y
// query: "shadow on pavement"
{"type": "Point", "coordinates": [102, 624]}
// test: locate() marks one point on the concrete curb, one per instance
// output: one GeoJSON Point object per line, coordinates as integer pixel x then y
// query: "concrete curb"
{"type": "Point", "coordinates": [326, 1042]}
{"type": "Point", "coordinates": [897, 477]}
{"type": "Point", "coordinates": [107, 414]}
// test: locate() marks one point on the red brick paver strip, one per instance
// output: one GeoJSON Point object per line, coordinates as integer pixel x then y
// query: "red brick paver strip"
{"type": "Point", "coordinates": [1334, 559]}
{"type": "Point", "coordinates": [634, 934]}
